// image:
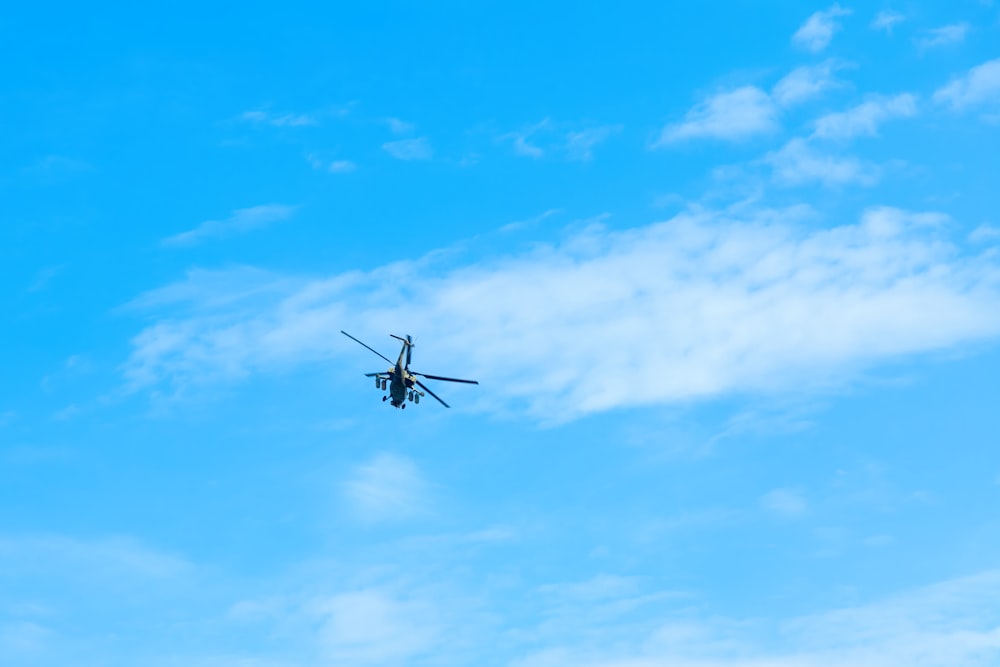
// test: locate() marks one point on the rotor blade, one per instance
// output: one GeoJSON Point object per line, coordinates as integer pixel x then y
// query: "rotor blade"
{"type": "Point", "coordinates": [376, 375]}
{"type": "Point", "coordinates": [424, 387]}
{"type": "Point", "coordinates": [363, 345]}
{"type": "Point", "coordinates": [438, 377]}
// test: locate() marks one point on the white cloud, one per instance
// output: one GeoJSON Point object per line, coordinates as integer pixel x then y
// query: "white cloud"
{"type": "Point", "coordinates": [530, 222]}
{"type": "Point", "coordinates": [397, 126]}
{"type": "Point", "coordinates": [520, 139]}
{"type": "Point", "coordinates": [709, 302]}
{"type": "Point", "coordinates": [373, 627]}
{"type": "Point", "coordinates": [580, 145]}
{"type": "Point", "coordinates": [788, 503]}
{"type": "Point", "coordinates": [278, 119]}
{"type": "Point", "coordinates": [522, 147]}
{"type": "Point", "coordinates": [44, 276]}
{"type": "Point", "coordinates": [943, 625]}
{"type": "Point", "coordinates": [980, 85]}
{"type": "Point", "coordinates": [864, 119]}
{"type": "Point", "coordinates": [732, 115]}
{"type": "Point", "coordinates": [21, 639]}
{"type": "Point", "coordinates": [334, 167]}
{"type": "Point", "coordinates": [818, 30]}
{"type": "Point", "coordinates": [409, 149]}
{"type": "Point", "coordinates": [805, 83]}
{"type": "Point", "coordinates": [387, 487]}
{"type": "Point", "coordinates": [600, 587]}
{"type": "Point", "coordinates": [242, 220]}
{"type": "Point", "coordinates": [100, 559]}
{"type": "Point", "coordinates": [887, 20]}
{"type": "Point", "coordinates": [985, 234]}
{"type": "Point", "coordinates": [541, 139]}
{"type": "Point", "coordinates": [943, 36]}
{"type": "Point", "coordinates": [342, 167]}
{"type": "Point", "coordinates": [798, 163]}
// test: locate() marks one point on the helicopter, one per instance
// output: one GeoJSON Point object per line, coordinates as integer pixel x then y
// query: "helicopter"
{"type": "Point", "coordinates": [401, 381]}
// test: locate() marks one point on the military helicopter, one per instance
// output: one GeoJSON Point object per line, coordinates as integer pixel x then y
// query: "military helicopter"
{"type": "Point", "coordinates": [400, 379]}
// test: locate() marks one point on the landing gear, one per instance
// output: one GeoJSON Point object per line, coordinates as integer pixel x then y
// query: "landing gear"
{"type": "Point", "coordinates": [416, 397]}
{"type": "Point", "coordinates": [410, 396]}
{"type": "Point", "coordinates": [403, 406]}
{"type": "Point", "coordinates": [383, 398]}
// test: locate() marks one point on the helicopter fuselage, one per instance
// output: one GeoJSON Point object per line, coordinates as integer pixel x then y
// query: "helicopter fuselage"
{"type": "Point", "coordinates": [400, 382]}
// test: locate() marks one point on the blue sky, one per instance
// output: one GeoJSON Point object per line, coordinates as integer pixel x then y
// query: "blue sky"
{"type": "Point", "coordinates": [728, 273]}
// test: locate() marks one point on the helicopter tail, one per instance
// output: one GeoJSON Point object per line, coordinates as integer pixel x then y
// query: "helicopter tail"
{"type": "Point", "coordinates": [407, 344]}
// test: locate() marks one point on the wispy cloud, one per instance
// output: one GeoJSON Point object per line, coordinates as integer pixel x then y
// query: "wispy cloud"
{"type": "Point", "coordinates": [341, 167]}
{"type": "Point", "coordinates": [530, 222]}
{"type": "Point", "coordinates": [387, 487]}
{"type": "Point", "coordinates": [44, 276]}
{"type": "Point", "coordinates": [943, 36]}
{"type": "Point", "coordinates": [99, 558]}
{"type": "Point", "coordinates": [279, 119]}
{"type": "Point", "coordinates": [864, 119]}
{"type": "Point", "coordinates": [886, 20]}
{"type": "Point", "coordinates": [731, 115]}
{"type": "Point", "coordinates": [593, 622]}
{"type": "Point", "coordinates": [789, 503]}
{"type": "Point", "coordinates": [374, 627]}
{"type": "Point", "coordinates": [397, 126]}
{"type": "Point", "coordinates": [332, 166]}
{"type": "Point", "coordinates": [769, 302]}
{"type": "Point", "coordinates": [951, 623]}
{"type": "Point", "coordinates": [546, 138]}
{"type": "Point", "coordinates": [979, 86]}
{"type": "Point", "coordinates": [521, 139]}
{"type": "Point", "coordinates": [818, 30]}
{"type": "Point", "coordinates": [985, 234]}
{"type": "Point", "coordinates": [409, 149]}
{"type": "Point", "coordinates": [580, 145]}
{"type": "Point", "coordinates": [24, 640]}
{"type": "Point", "coordinates": [800, 163]}
{"type": "Point", "coordinates": [241, 221]}
{"type": "Point", "coordinates": [59, 164]}
{"type": "Point", "coordinates": [807, 82]}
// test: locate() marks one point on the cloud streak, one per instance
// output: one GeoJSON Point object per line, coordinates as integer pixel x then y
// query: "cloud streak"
{"type": "Point", "coordinates": [708, 303]}
{"type": "Point", "coordinates": [818, 30]}
{"type": "Point", "coordinates": [729, 116]}
{"type": "Point", "coordinates": [806, 83]}
{"type": "Point", "coordinates": [387, 487]}
{"type": "Point", "coordinates": [864, 119]}
{"type": "Point", "coordinates": [241, 221]}
{"type": "Point", "coordinates": [409, 150]}
{"type": "Point", "coordinates": [979, 86]}
{"type": "Point", "coordinates": [886, 20]}
{"type": "Point", "coordinates": [279, 119]}
{"type": "Point", "coordinates": [950, 623]}
{"type": "Point", "coordinates": [799, 163]}
{"type": "Point", "coordinates": [580, 145]}
{"type": "Point", "coordinates": [944, 36]}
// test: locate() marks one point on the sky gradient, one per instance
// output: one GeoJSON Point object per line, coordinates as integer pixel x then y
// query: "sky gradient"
{"type": "Point", "coordinates": [728, 274]}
